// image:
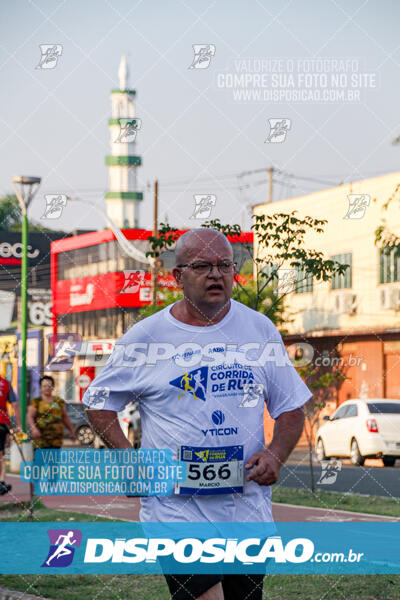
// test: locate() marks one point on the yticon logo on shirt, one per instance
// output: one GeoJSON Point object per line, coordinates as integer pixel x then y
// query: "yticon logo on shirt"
{"type": "Point", "coordinates": [62, 547]}
{"type": "Point", "coordinates": [193, 383]}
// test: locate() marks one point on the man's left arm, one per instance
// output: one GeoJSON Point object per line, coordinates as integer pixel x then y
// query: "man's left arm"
{"type": "Point", "coordinates": [267, 464]}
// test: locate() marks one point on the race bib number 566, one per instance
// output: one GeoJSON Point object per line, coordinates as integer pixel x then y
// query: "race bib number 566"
{"type": "Point", "coordinates": [212, 470]}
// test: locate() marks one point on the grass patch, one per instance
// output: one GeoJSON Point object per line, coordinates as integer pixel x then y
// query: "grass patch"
{"type": "Point", "coordinates": [377, 505]}
{"type": "Point", "coordinates": [151, 587]}
{"type": "Point", "coordinates": [19, 511]}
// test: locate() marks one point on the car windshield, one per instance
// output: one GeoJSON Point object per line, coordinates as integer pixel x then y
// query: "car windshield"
{"type": "Point", "coordinates": [392, 408]}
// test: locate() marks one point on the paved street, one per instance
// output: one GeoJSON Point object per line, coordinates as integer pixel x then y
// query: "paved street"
{"type": "Point", "coordinates": [372, 478]}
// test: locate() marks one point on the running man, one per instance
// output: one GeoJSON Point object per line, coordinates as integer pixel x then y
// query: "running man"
{"type": "Point", "coordinates": [206, 318]}
{"type": "Point", "coordinates": [62, 549]}
{"type": "Point", "coordinates": [188, 388]}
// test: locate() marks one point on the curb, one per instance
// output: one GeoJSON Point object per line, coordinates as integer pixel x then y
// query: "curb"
{"type": "Point", "coordinates": [17, 595]}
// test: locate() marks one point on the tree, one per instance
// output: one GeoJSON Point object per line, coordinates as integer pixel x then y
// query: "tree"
{"type": "Point", "coordinates": [384, 238]}
{"type": "Point", "coordinates": [279, 242]}
{"type": "Point", "coordinates": [11, 216]}
{"type": "Point", "coordinates": [324, 385]}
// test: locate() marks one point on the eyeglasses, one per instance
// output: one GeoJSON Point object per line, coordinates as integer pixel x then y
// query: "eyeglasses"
{"type": "Point", "coordinates": [226, 266]}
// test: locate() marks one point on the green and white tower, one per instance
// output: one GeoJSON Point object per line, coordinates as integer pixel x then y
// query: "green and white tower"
{"type": "Point", "coordinates": [122, 198]}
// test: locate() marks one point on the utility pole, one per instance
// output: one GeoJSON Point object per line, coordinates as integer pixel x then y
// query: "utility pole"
{"type": "Point", "coordinates": [154, 269]}
{"type": "Point", "coordinates": [28, 187]}
{"type": "Point", "coordinates": [270, 176]}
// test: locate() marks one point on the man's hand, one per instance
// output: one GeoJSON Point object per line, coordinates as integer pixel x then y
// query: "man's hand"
{"type": "Point", "coordinates": [266, 471]}
{"type": "Point", "coordinates": [287, 430]}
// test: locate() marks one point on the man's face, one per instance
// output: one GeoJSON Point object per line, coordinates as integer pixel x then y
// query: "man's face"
{"type": "Point", "coordinates": [207, 288]}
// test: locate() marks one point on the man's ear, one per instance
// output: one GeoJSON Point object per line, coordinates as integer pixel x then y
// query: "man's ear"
{"type": "Point", "coordinates": [177, 273]}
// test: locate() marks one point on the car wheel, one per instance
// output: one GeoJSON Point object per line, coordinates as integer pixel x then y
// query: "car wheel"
{"type": "Point", "coordinates": [355, 454]}
{"type": "Point", "coordinates": [320, 450]}
{"type": "Point", "coordinates": [85, 435]}
{"type": "Point", "coordinates": [389, 461]}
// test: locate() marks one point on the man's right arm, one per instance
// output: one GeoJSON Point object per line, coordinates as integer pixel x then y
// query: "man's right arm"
{"type": "Point", "coordinates": [106, 425]}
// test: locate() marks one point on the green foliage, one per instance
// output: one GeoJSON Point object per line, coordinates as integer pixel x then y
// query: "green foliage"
{"type": "Point", "coordinates": [266, 301]}
{"type": "Point", "coordinates": [384, 238]}
{"type": "Point", "coordinates": [11, 216]}
{"type": "Point", "coordinates": [166, 237]}
{"type": "Point", "coordinates": [10, 212]}
{"type": "Point", "coordinates": [165, 297]}
{"type": "Point", "coordinates": [281, 242]}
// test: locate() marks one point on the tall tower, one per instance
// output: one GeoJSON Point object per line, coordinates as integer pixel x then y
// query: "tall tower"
{"type": "Point", "coordinates": [123, 199]}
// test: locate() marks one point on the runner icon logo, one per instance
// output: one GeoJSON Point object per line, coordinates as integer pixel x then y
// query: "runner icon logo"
{"type": "Point", "coordinates": [194, 382]}
{"type": "Point", "coordinates": [62, 547]}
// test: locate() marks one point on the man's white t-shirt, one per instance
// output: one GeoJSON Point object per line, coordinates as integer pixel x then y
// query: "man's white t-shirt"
{"type": "Point", "coordinates": [203, 387]}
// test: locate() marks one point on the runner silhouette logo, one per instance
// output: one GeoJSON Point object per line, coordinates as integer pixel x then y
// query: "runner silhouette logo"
{"type": "Point", "coordinates": [62, 547]}
{"type": "Point", "coordinates": [192, 382]}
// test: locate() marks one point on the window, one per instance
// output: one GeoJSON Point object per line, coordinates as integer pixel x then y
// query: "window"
{"type": "Point", "coordinates": [340, 413]}
{"type": "Point", "coordinates": [392, 408]}
{"type": "Point", "coordinates": [340, 282]}
{"type": "Point", "coordinates": [389, 265]}
{"type": "Point", "coordinates": [303, 281]}
{"type": "Point", "coordinates": [351, 410]}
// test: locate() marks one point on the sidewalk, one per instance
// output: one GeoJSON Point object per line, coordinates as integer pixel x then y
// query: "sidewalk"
{"type": "Point", "coordinates": [119, 507]}
{"type": "Point", "coordinates": [15, 595]}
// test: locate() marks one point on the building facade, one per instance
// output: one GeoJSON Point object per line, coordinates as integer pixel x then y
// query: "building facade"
{"type": "Point", "coordinates": [355, 316]}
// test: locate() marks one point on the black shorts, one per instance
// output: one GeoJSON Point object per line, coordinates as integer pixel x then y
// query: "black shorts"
{"type": "Point", "coordinates": [236, 587]}
{"type": "Point", "coordinates": [3, 436]}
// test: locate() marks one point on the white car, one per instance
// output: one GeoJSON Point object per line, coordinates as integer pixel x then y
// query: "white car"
{"type": "Point", "coordinates": [361, 429]}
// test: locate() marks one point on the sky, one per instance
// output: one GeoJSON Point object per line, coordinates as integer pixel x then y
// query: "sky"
{"type": "Point", "coordinates": [199, 134]}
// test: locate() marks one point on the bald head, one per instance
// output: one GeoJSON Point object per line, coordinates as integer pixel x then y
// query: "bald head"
{"type": "Point", "coordinates": [202, 244]}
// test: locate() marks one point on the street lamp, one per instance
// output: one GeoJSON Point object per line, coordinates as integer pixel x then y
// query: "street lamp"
{"type": "Point", "coordinates": [28, 187]}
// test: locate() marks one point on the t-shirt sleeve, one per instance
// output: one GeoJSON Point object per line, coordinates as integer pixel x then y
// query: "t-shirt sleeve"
{"type": "Point", "coordinates": [286, 390]}
{"type": "Point", "coordinates": [112, 389]}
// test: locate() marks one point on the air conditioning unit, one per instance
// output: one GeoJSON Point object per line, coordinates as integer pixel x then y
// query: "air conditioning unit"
{"type": "Point", "coordinates": [345, 304]}
{"type": "Point", "coordinates": [390, 298]}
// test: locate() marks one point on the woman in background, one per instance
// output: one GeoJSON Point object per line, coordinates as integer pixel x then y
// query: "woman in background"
{"type": "Point", "coordinates": [47, 416]}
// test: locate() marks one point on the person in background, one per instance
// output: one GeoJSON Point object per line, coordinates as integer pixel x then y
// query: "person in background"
{"type": "Point", "coordinates": [47, 415]}
{"type": "Point", "coordinates": [6, 395]}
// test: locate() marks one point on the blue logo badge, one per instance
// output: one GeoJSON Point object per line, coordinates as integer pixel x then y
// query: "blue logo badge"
{"type": "Point", "coordinates": [192, 382]}
{"type": "Point", "coordinates": [218, 417]}
{"type": "Point", "coordinates": [62, 547]}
